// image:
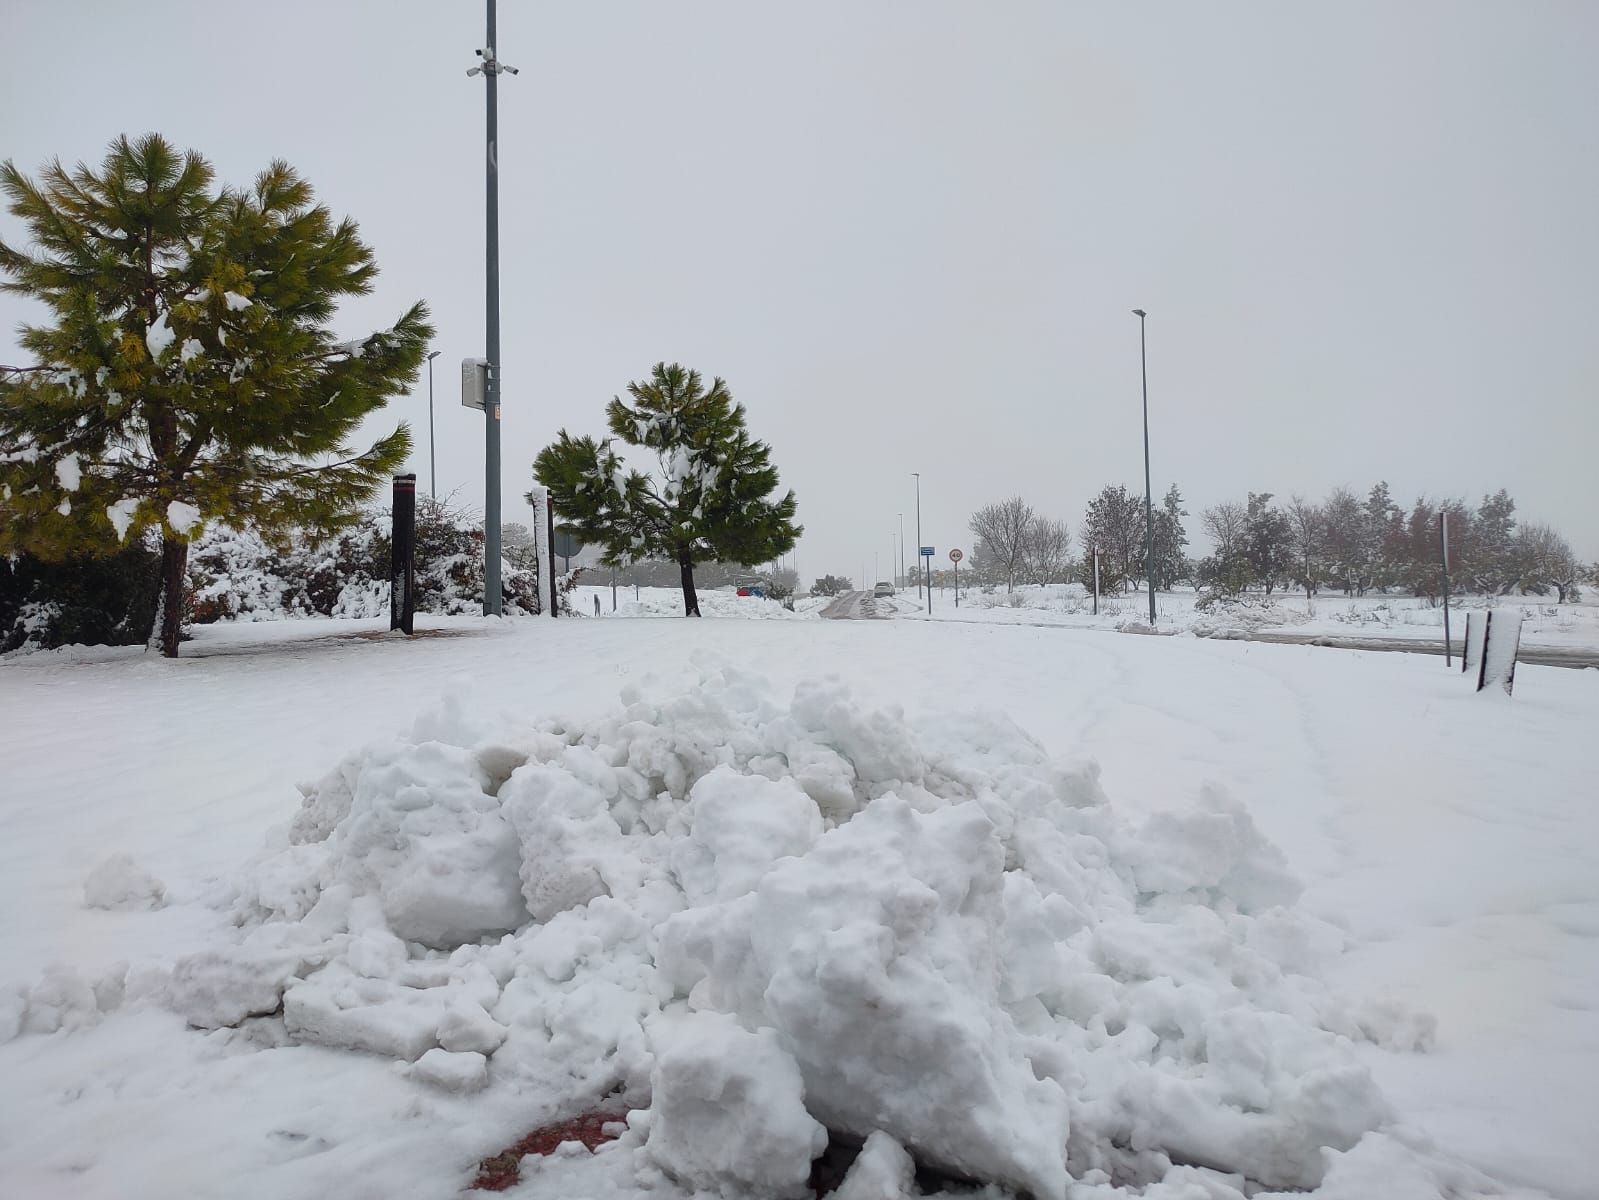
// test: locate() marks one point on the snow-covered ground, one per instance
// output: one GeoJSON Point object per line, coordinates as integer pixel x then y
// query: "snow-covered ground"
{"type": "Point", "coordinates": [960, 935]}
{"type": "Point", "coordinates": [1545, 624]}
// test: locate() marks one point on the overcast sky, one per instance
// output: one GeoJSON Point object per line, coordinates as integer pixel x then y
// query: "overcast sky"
{"type": "Point", "coordinates": [909, 233]}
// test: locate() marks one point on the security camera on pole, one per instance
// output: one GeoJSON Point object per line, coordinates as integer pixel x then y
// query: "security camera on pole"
{"type": "Point", "coordinates": [490, 70]}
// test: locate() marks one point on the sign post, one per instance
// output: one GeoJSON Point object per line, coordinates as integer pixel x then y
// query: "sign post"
{"type": "Point", "coordinates": [1096, 581]}
{"type": "Point", "coordinates": [955, 557]}
{"type": "Point", "coordinates": [927, 568]}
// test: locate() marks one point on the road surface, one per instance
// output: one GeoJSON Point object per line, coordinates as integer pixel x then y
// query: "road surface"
{"type": "Point", "coordinates": [856, 606]}
{"type": "Point", "coordinates": [1540, 656]}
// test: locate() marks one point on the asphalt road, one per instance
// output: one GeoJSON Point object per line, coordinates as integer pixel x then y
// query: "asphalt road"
{"type": "Point", "coordinates": [854, 606]}
{"type": "Point", "coordinates": [1541, 656]}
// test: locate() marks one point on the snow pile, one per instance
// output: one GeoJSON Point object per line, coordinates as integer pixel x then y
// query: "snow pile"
{"type": "Point", "coordinates": [1224, 616]}
{"type": "Point", "coordinates": [668, 602]}
{"type": "Point", "coordinates": [120, 883]}
{"type": "Point", "coordinates": [775, 925]}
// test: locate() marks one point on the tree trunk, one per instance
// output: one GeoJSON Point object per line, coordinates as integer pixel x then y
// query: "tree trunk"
{"type": "Point", "coordinates": [691, 600]}
{"type": "Point", "coordinates": [174, 579]}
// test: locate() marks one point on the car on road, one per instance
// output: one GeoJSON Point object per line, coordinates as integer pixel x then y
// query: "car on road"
{"type": "Point", "coordinates": [883, 589]}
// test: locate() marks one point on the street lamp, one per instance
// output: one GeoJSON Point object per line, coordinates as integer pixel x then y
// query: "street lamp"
{"type": "Point", "coordinates": [433, 466]}
{"type": "Point", "coordinates": [1149, 502]}
{"type": "Point", "coordinates": [901, 549]}
{"type": "Point", "coordinates": [918, 476]}
{"type": "Point", "coordinates": [490, 69]}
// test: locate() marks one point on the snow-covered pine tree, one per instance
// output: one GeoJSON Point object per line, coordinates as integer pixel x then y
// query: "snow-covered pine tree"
{"type": "Point", "coordinates": [187, 372]}
{"type": "Point", "coordinates": [711, 497]}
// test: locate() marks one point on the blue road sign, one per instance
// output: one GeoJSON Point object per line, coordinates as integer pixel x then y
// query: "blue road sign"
{"type": "Point", "coordinates": [927, 552]}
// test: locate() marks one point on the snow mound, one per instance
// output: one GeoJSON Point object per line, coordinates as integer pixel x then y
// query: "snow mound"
{"type": "Point", "coordinates": [121, 883]}
{"type": "Point", "coordinates": [763, 920]}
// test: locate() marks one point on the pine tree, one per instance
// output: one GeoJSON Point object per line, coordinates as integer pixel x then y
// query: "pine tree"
{"type": "Point", "coordinates": [186, 373]}
{"type": "Point", "coordinates": [1268, 541]}
{"type": "Point", "coordinates": [1171, 564]}
{"type": "Point", "coordinates": [1114, 523]}
{"type": "Point", "coordinates": [1493, 545]}
{"type": "Point", "coordinates": [710, 499]}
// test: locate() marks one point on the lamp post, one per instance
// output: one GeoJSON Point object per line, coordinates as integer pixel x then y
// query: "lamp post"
{"type": "Point", "coordinates": [433, 466]}
{"type": "Point", "coordinates": [918, 476]}
{"type": "Point", "coordinates": [901, 549]}
{"type": "Point", "coordinates": [490, 69]}
{"type": "Point", "coordinates": [1149, 502]}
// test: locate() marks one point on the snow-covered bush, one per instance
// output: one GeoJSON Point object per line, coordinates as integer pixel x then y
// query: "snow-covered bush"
{"type": "Point", "coordinates": [108, 600]}
{"type": "Point", "coordinates": [1219, 613]}
{"type": "Point", "coordinates": [239, 575]}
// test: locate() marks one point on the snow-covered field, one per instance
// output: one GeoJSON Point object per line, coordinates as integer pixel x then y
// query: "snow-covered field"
{"type": "Point", "coordinates": [1572, 626]}
{"type": "Point", "coordinates": [985, 892]}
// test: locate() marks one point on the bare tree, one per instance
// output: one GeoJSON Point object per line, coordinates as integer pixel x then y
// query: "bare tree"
{"type": "Point", "coordinates": [1047, 551]}
{"type": "Point", "coordinates": [1544, 560]}
{"type": "Point", "coordinates": [1226, 524]}
{"type": "Point", "coordinates": [1003, 529]}
{"type": "Point", "coordinates": [1306, 521]}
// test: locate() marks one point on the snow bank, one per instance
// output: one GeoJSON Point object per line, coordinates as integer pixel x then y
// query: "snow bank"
{"type": "Point", "coordinates": [778, 923]}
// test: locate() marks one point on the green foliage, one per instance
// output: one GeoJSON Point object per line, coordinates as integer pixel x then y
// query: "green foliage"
{"type": "Point", "coordinates": [187, 359]}
{"type": "Point", "coordinates": [831, 585]}
{"type": "Point", "coordinates": [89, 599]}
{"type": "Point", "coordinates": [1171, 564]}
{"type": "Point", "coordinates": [709, 498]}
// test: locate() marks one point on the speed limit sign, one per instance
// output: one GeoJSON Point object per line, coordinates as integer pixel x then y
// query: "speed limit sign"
{"type": "Point", "coordinates": [955, 556]}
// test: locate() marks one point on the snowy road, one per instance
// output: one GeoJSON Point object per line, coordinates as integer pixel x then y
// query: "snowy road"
{"type": "Point", "coordinates": [853, 606]}
{"type": "Point", "coordinates": [1449, 837]}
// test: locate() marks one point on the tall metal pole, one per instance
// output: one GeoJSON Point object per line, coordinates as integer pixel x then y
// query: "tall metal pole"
{"type": "Point", "coordinates": [433, 466]}
{"type": "Point", "coordinates": [1149, 500]}
{"type": "Point", "coordinates": [901, 549]}
{"type": "Point", "coordinates": [490, 70]}
{"type": "Point", "coordinates": [918, 475]}
{"type": "Point", "coordinates": [1443, 559]}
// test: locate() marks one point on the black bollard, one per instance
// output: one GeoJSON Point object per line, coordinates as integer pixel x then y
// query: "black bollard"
{"type": "Point", "coordinates": [402, 556]}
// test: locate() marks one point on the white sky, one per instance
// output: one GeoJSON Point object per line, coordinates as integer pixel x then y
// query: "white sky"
{"type": "Point", "coordinates": [909, 234]}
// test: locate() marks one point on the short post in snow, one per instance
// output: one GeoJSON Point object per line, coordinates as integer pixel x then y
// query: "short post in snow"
{"type": "Point", "coordinates": [1096, 580]}
{"type": "Point", "coordinates": [955, 557]}
{"type": "Point", "coordinates": [1443, 558]}
{"type": "Point", "coordinates": [402, 556]}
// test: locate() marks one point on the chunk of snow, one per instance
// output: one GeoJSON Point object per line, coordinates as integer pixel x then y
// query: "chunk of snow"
{"type": "Point", "coordinates": [182, 516]}
{"type": "Point", "coordinates": [465, 1071]}
{"type": "Point", "coordinates": [236, 302]}
{"type": "Point", "coordinates": [190, 350]}
{"type": "Point", "coordinates": [211, 990]}
{"type": "Point", "coordinates": [159, 336]}
{"type": "Point", "coordinates": [121, 883]}
{"type": "Point", "coordinates": [68, 472]}
{"type": "Point", "coordinates": [120, 515]}
{"type": "Point", "coordinates": [335, 1007]}
{"type": "Point", "coordinates": [727, 1110]}
{"type": "Point", "coordinates": [465, 1026]}
{"type": "Point", "coordinates": [881, 1171]}
{"type": "Point", "coordinates": [413, 825]}
{"type": "Point", "coordinates": [65, 507]}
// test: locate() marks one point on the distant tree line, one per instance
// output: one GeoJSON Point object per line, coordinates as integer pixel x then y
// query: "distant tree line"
{"type": "Point", "coordinates": [1353, 544]}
